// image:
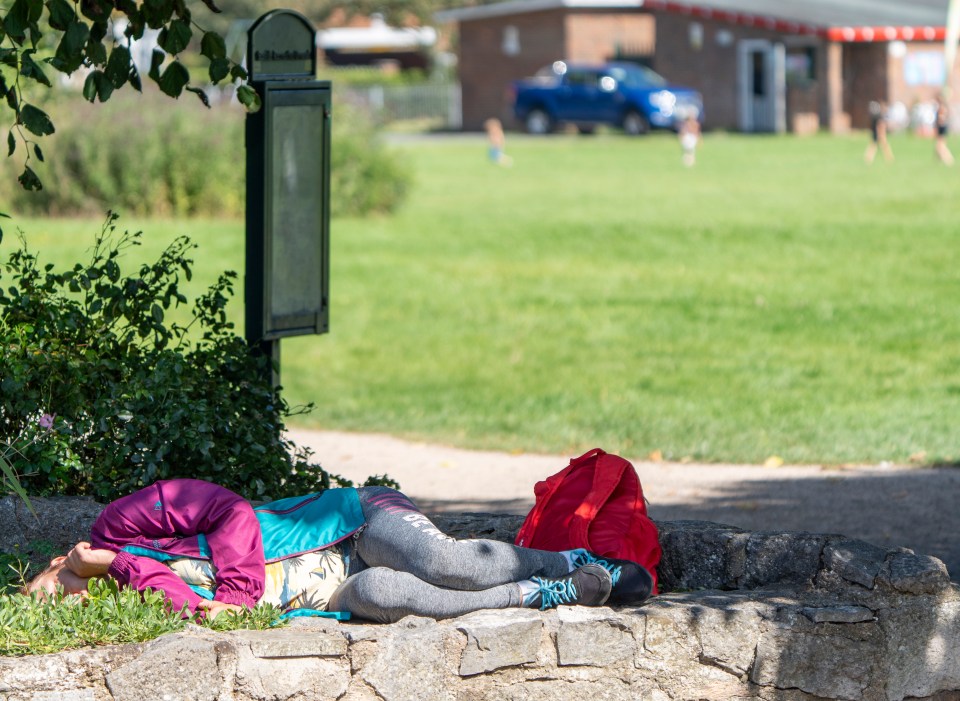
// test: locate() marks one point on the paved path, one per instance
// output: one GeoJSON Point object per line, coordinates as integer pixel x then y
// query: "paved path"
{"type": "Point", "coordinates": [885, 505]}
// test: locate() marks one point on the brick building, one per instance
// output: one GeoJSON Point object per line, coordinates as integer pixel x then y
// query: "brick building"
{"type": "Point", "coordinates": [762, 65]}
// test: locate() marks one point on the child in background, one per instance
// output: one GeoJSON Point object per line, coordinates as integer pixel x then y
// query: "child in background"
{"type": "Point", "coordinates": [878, 133]}
{"type": "Point", "coordinates": [689, 134]}
{"type": "Point", "coordinates": [498, 142]}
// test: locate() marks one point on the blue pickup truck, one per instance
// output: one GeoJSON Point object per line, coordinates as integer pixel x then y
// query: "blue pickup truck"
{"type": "Point", "coordinates": [626, 95]}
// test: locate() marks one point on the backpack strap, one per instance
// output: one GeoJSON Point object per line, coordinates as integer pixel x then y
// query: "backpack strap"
{"type": "Point", "coordinates": [606, 477]}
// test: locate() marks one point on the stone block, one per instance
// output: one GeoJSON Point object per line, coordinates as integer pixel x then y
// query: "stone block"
{"type": "Point", "coordinates": [838, 614]}
{"type": "Point", "coordinates": [728, 627]}
{"type": "Point", "coordinates": [923, 647]}
{"type": "Point", "coordinates": [178, 667]}
{"type": "Point", "coordinates": [854, 560]}
{"type": "Point", "coordinates": [782, 558]}
{"type": "Point", "coordinates": [498, 639]}
{"type": "Point", "coordinates": [700, 555]}
{"type": "Point", "coordinates": [828, 660]}
{"type": "Point", "coordinates": [412, 664]}
{"type": "Point", "coordinates": [294, 643]}
{"type": "Point", "coordinates": [593, 636]}
{"type": "Point", "coordinates": [915, 574]}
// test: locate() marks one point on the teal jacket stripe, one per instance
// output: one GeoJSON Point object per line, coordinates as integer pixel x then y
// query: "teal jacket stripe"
{"type": "Point", "coordinates": [298, 525]}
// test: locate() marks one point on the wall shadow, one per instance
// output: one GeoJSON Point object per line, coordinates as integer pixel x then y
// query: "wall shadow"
{"type": "Point", "coordinates": [913, 508]}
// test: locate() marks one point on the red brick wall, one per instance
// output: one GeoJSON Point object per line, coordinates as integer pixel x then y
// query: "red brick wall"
{"type": "Point", "coordinates": [486, 71]}
{"type": "Point", "coordinates": [864, 79]}
{"type": "Point", "coordinates": [901, 91]}
{"type": "Point", "coordinates": [595, 37]}
{"type": "Point", "coordinates": [544, 37]}
{"type": "Point", "coordinates": [869, 72]}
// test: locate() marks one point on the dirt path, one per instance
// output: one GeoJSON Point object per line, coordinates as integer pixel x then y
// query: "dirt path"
{"type": "Point", "coordinates": [889, 506]}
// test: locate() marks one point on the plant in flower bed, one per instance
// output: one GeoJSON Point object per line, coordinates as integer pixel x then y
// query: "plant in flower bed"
{"type": "Point", "coordinates": [101, 394]}
{"type": "Point", "coordinates": [109, 615]}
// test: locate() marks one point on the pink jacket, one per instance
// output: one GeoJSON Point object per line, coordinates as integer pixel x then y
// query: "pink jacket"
{"type": "Point", "coordinates": [184, 518]}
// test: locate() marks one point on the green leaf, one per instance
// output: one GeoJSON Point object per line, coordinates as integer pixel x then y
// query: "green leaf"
{"type": "Point", "coordinates": [37, 152]}
{"type": "Point", "coordinates": [29, 180]}
{"type": "Point", "coordinates": [219, 69]}
{"type": "Point", "coordinates": [134, 78]}
{"type": "Point", "coordinates": [174, 79]}
{"type": "Point", "coordinates": [156, 13]}
{"type": "Point", "coordinates": [97, 85]}
{"type": "Point", "coordinates": [69, 54]}
{"type": "Point", "coordinates": [237, 72]}
{"type": "Point", "coordinates": [201, 94]}
{"type": "Point", "coordinates": [8, 57]}
{"type": "Point", "coordinates": [30, 69]}
{"type": "Point", "coordinates": [174, 38]}
{"type": "Point", "coordinates": [156, 60]}
{"type": "Point", "coordinates": [21, 17]}
{"type": "Point", "coordinates": [213, 46]}
{"type": "Point", "coordinates": [96, 10]}
{"type": "Point", "coordinates": [12, 100]}
{"type": "Point", "coordinates": [118, 66]}
{"type": "Point", "coordinates": [35, 120]}
{"type": "Point", "coordinates": [249, 98]}
{"type": "Point", "coordinates": [96, 51]}
{"type": "Point", "coordinates": [12, 482]}
{"type": "Point", "coordinates": [61, 14]}
{"type": "Point", "coordinates": [11, 143]}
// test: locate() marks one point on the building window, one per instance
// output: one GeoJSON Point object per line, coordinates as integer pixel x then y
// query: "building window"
{"type": "Point", "coordinates": [801, 66]}
{"type": "Point", "coordinates": [695, 35]}
{"type": "Point", "coordinates": [511, 40]}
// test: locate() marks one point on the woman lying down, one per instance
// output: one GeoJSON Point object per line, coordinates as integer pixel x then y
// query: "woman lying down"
{"type": "Point", "coordinates": [365, 552]}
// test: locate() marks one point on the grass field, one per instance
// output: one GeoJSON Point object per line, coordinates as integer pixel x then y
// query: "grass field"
{"type": "Point", "coordinates": [780, 298]}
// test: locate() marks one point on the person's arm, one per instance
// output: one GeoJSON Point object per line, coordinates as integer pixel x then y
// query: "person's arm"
{"type": "Point", "coordinates": [142, 573]}
{"type": "Point", "coordinates": [167, 511]}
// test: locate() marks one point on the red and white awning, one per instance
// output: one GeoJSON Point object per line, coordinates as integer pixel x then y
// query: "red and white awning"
{"type": "Point", "coordinates": [783, 26]}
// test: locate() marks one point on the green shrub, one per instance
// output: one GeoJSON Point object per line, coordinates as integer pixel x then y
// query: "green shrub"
{"type": "Point", "coordinates": [140, 154]}
{"type": "Point", "coordinates": [100, 394]}
{"type": "Point", "coordinates": [366, 177]}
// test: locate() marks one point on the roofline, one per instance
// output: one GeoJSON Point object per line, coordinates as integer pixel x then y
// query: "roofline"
{"type": "Point", "coordinates": [843, 34]}
{"type": "Point", "coordinates": [831, 33]}
{"type": "Point", "coordinates": [516, 7]}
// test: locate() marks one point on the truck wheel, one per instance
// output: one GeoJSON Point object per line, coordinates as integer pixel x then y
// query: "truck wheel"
{"type": "Point", "coordinates": [635, 123]}
{"type": "Point", "coordinates": [538, 122]}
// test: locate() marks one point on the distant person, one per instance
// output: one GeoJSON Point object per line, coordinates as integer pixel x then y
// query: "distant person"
{"type": "Point", "coordinates": [689, 134]}
{"type": "Point", "coordinates": [942, 124]}
{"type": "Point", "coordinates": [878, 133]}
{"type": "Point", "coordinates": [498, 142]}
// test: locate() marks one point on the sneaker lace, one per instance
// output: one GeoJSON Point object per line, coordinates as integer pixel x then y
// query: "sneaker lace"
{"type": "Point", "coordinates": [554, 592]}
{"type": "Point", "coordinates": [585, 557]}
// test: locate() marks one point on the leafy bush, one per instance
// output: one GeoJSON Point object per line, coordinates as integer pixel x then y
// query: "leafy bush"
{"type": "Point", "coordinates": [142, 155]}
{"type": "Point", "coordinates": [365, 178]}
{"type": "Point", "coordinates": [101, 395]}
{"type": "Point", "coordinates": [109, 615]}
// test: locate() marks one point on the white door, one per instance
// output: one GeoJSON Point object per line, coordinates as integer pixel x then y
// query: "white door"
{"type": "Point", "coordinates": [761, 85]}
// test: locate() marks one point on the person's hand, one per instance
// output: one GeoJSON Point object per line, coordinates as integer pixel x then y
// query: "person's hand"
{"type": "Point", "coordinates": [214, 608]}
{"type": "Point", "coordinates": [85, 561]}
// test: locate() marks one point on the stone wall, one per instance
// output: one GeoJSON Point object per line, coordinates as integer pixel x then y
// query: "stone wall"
{"type": "Point", "coordinates": [773, 616]}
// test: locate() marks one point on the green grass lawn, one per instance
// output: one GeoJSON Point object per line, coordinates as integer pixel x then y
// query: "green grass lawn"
{"type": "Point", "coordinates": [780, 298]}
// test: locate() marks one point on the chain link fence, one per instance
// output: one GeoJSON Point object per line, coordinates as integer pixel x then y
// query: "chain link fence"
{"type": "Point", "coordinates": [435, 105]}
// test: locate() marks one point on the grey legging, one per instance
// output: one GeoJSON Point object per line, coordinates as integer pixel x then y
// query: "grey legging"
{"type": "Point", "coordinates": [401, 564]}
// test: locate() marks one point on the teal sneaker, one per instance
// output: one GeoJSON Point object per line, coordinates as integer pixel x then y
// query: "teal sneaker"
{"type": "Point", "coordinates": [589, 585]}
{"type": "Point", "coordinates": [632, 584]}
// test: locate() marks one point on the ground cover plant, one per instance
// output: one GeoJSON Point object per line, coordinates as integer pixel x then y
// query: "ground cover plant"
{"type": "Point", "coordinates": [108, 616]}
{"type": "Point", "coordinates": [781, 298]}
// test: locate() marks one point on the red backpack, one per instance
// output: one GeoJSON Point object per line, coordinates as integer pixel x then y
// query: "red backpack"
{"type": "Point", "coordinates": [595, 503]}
